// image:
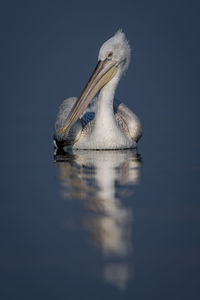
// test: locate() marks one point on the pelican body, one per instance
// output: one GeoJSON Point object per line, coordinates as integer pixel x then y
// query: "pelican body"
{"type": "Point", "coordinates": [96, 120]}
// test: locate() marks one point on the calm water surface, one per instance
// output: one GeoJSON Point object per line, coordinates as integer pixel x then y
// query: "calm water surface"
{"type": "Point", "coordinates": [99, 224]}
{"type": "Point", "coordinates": [100, 181]}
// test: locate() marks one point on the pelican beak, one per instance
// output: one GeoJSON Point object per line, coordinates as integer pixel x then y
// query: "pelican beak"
{"type": "Point", "coordinates": [103, 73]}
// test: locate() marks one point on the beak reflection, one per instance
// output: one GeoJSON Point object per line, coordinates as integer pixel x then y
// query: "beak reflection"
{"type": "Point", "coordinates": [100, 180]}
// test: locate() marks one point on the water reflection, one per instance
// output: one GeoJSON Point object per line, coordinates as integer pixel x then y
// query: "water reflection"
{"type": "Point", "coordinates": [102, 179]}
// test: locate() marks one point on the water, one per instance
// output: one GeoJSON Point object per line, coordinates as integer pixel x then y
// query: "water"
{"type": "Point", "coordinates": [100, 224]}
{"type": "Point", "coordinates": [100, 181]}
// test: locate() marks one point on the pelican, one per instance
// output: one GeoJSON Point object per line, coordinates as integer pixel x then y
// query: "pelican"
{"type": "Point", "coordinates": [96, 120]}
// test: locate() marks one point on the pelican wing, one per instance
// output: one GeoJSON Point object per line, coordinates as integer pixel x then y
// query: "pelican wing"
{"type": "Point", "coordinates": [71, 136]}
{"type": "Point", "coordinates": [127, 120]}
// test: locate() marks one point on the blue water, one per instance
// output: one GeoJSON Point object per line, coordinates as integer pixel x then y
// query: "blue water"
{"type": "Point", "coordinates": [100, 224]}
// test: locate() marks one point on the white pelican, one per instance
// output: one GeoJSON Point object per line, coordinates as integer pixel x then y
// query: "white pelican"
{"type": "Point", "coordinates": [96, 120]}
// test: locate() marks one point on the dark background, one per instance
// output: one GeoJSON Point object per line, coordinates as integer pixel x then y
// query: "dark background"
{"type": "Point", "coordinates": [48, 50]}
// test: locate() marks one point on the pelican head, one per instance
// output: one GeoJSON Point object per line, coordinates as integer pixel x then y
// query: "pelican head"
{"type": "Point", "coordinates": [113, 60]}
{"type": "Point", "coordinates": [118, 50]}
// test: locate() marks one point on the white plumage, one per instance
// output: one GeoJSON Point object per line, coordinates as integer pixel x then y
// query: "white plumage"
{"type": "Point", "coordinates": [100, 122]}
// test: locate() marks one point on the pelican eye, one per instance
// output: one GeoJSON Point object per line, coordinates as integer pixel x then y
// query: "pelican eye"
{"type": "Point", "coordinates": [110, 54]}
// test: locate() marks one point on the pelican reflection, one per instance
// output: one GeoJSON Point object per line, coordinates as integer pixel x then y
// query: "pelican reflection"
{"type": "Point", "coordinates": [101, 180]}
